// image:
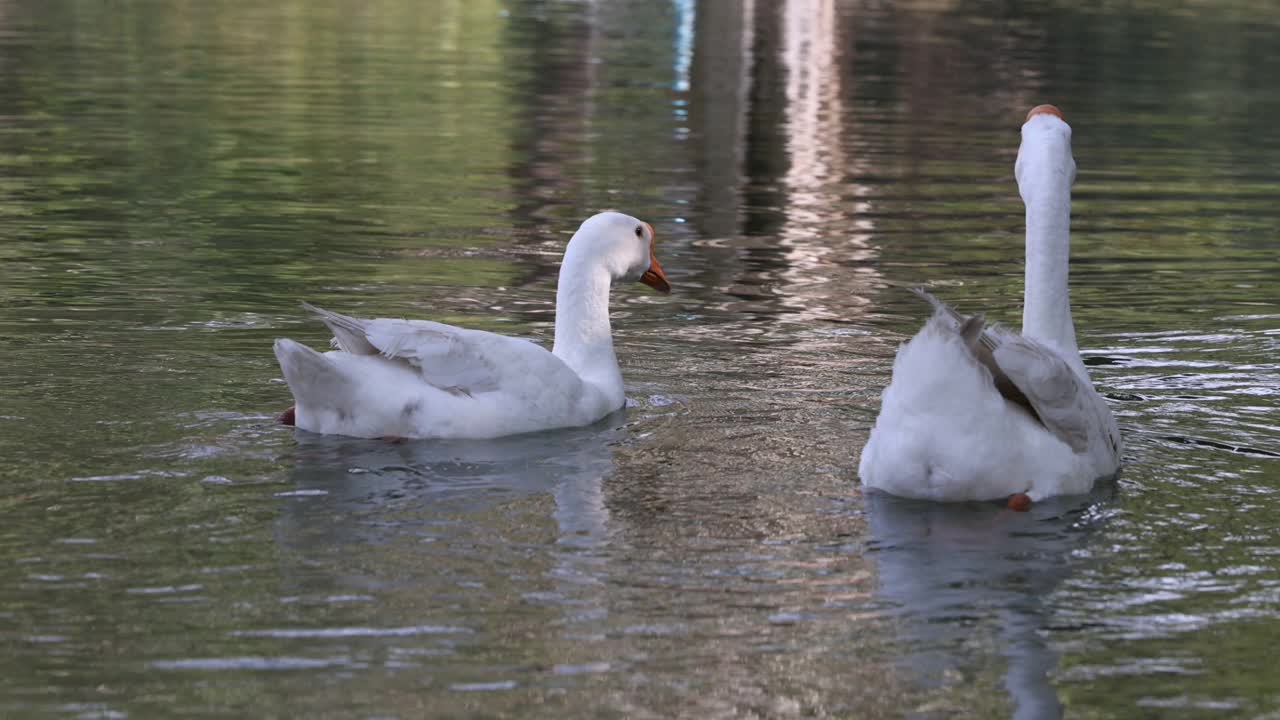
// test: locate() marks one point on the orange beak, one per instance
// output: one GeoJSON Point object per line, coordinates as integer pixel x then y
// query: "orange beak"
{"type": "Point", "coordinates": [654, 277]}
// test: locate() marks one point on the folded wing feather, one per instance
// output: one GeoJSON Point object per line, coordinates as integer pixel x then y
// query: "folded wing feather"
{"type": "Point", "coordinates": [1051, 386]}
{"type": "Point", "coordinates": [1027, 374]}
{"type": "Point", "coordinates": [450, 358]}
{"type": "Point", "coordinates": [348, 332]}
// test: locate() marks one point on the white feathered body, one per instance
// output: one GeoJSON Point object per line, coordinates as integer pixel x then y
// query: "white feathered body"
{"type": "Point", "coordinates": [466, 384]}
{"type": "Point", "coordinates": [946, 433]}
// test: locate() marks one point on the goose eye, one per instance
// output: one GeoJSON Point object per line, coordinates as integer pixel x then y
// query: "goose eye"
{"type": "Point", "coordinates": [639, 231]}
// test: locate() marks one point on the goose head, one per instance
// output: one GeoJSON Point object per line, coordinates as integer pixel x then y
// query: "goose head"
{"type": "Point", "coordinates": [622, 245]}
{"type": "Point", "coordinates": [1044, 158]}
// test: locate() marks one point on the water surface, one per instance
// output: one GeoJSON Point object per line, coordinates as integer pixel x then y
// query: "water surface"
{"type": "Point", "coordinates": [176, 177]}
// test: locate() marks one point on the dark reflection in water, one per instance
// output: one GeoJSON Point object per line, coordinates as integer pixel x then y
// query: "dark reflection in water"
{"type": "Point", "coordinates": [175, 177]}
{"type": "Point", "coordinates": [969, 584]}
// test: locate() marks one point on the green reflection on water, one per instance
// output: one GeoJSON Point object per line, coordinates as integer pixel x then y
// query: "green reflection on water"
{"type": "Point", "coordinates": [175, 177]}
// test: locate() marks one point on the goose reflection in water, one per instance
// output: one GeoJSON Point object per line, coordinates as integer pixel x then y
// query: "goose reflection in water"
{"type": "Point", "coordinates": [420, 524]}
{"type": "Point", "coordinates": [568, 464]}
{"type": "Point", "coordinates": [969, 582]}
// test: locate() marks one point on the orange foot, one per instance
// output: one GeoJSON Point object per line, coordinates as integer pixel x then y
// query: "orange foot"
{"type": "Point", "coordinates": [287, 417]}
{"type": "Point", "coordinates": [1019, 502]}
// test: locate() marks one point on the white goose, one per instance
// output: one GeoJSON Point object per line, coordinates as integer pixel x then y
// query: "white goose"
{"type": "Point", "coordinates": [983, 413]}
{"type": "Point", "coordinates": [416, 378]}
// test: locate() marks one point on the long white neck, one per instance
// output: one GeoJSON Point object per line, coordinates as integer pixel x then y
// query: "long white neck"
{"type": "Point", "coordinates": [1045, 184]}
{"type": "Point", "coordinates": [584, 339]}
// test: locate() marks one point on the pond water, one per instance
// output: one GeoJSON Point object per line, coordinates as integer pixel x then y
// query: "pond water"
{"type": "Point", "coordinates": [176, 177]}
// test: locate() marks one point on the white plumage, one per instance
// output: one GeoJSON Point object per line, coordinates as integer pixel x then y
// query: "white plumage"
{"type": "Point", "coordinates": [416, 378]}
{"type": "Point", "coordinates": [980, 413]}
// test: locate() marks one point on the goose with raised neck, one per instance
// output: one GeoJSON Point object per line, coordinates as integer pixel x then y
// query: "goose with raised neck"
{"type": "Point", "coordinates": [979, 412]}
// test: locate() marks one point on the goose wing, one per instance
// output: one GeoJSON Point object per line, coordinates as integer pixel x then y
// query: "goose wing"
{"type": "Point", "coordinates": [1028, 374]}
{"type": "Point", "coordinates": [458, 360]}
{"type": "Point", "coordinates": [1061, 400]}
